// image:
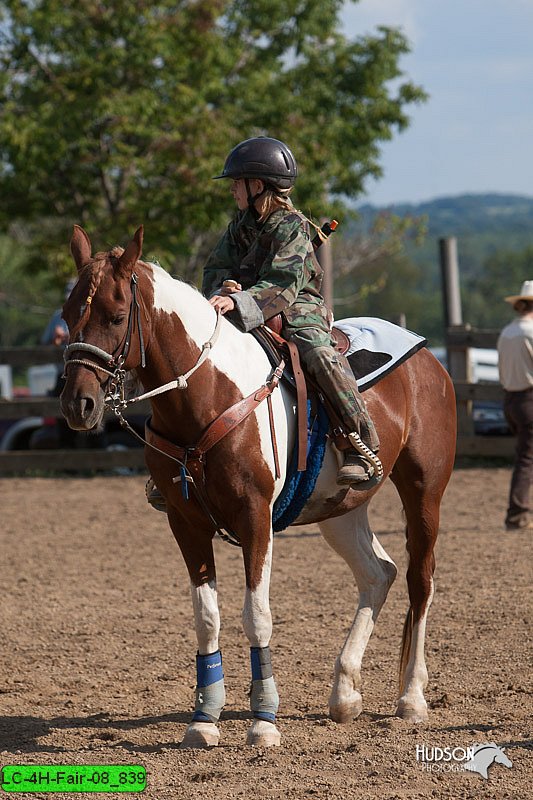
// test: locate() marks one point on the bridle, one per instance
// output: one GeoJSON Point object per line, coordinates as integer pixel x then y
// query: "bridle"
{"type": "Point", "coordinates": [116, 401]}
{"type": "Point", "coordinates": [115, 398]}
{"type": "Point", "coordinates": [116, 360]}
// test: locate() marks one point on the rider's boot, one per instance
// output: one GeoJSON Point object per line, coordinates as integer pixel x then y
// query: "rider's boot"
{"type": "Point", "coordinates": [334, 376]}
{"type": "Point", "coordinates": [355, 469]}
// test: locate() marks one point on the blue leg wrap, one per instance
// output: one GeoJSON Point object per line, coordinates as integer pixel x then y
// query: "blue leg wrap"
{"type": "Point", "coordinates": [264, 698]}
{"type": "Point", "coordinates": [210, 692]}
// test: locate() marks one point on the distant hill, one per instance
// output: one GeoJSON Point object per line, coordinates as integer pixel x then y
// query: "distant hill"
{"type": "Point", "coordinates": [482, 223]}
{"type": "Point", "coordinates": [467, 213]}
{"type": "Point", "coordinates": [495, 239]}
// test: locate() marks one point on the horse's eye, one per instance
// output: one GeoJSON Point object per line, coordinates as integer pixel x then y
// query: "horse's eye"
{"type": "Point", "coordinates": [118, 320]}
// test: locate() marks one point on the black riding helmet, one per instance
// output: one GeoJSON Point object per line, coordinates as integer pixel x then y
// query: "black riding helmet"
{"type": "Point", "coordinates": [262, 157]}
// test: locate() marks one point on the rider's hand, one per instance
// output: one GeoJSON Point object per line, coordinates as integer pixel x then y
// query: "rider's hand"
{"type": "Point", "coordinates": [222, 304]}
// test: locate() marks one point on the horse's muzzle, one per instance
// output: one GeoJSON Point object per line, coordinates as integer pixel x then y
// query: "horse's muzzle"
{"type": "Point", "coordinates": [81, 413]}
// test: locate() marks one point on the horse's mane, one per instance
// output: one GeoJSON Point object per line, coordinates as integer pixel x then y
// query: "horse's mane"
{"type": "Point", "coordinates": [94, 272]}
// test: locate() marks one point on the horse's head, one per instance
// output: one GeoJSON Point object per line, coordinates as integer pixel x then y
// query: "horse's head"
{"type": "Point", "coordinates": [103, 317]}
{"type": "Point", "coordinates": [486, 754]}
{"type": "Point", "coordinates": [502, 757]}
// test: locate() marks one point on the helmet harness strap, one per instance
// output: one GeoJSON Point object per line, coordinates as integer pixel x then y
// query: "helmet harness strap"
{"type": "Point", "coordinates": [253, 197]}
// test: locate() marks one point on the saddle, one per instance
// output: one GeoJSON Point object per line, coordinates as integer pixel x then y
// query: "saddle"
{"type": "Point", "coordinates": [341, 342]}
{"type": "Point", "coordinates": [279, 349]}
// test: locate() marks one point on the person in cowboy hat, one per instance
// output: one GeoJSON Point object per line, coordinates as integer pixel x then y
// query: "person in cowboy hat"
{"type": "Point", "coordinates": [515, 364]}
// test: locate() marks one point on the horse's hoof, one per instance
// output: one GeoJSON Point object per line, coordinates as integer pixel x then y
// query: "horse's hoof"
{"type": "Point", "coordinates": [346, 712]}
{"type": "Point", "coordinates": [201, 735]}
{"type": "Point", "coordinates": [263, 734]}
{"type": "Point", "coordinates": [411, 713]}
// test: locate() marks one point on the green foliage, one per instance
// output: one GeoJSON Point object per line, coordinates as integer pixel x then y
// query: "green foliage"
{"type": "Point", "coordinates": [26, 301]}
{"type": "Point", "coordinates": [373, 274]}
{"type": "Point", "coordinates": [113, 114]}
{"type": "Point", "coordinates": [503, 275]}
{"type": "Point", "coordinates": [494, 249]}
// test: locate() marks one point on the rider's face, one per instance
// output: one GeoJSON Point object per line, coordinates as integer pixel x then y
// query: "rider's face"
{"type": "Point", "coordinates": [240, 195]}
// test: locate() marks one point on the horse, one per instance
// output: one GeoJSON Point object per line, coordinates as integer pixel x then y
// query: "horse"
{"type": "Point", "coordinates": [128, 315]}
{"type": "Point", "coordinates": [486, 754]}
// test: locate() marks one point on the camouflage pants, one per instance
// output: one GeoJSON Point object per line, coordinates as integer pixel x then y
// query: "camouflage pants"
{"type": "Point", "coordinates": [335, 378]}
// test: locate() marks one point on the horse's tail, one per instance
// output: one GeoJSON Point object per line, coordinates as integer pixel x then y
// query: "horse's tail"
{"type": "Point", "coordinates": [407, 636]}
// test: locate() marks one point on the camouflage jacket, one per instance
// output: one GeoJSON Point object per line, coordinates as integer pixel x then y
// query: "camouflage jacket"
{"type": "Point", "coordinates": [274, 262]}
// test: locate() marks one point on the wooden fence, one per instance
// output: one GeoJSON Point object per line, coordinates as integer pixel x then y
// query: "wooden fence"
{"type": "Point", "coordinates": [20, 461]}
{"type": "Point", "coordinates": [458, 339]}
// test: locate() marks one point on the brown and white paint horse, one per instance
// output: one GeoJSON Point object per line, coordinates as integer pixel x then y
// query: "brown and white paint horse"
{"type": "Point", "coordinates": [414, 412]}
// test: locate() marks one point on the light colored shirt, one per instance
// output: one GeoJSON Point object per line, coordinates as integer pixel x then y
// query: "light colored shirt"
{"type": "Point", "coordinates": [515, 355]}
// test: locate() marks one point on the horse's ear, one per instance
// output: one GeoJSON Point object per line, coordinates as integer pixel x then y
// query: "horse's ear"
{"type": "Point", "coordinates": [132, 253]}
{"type": "Point", "coordinates": [80, 247]}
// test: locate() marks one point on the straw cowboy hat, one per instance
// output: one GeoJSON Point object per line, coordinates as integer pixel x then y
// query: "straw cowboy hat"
{"type": "Point", "coordinates": [526, 293]}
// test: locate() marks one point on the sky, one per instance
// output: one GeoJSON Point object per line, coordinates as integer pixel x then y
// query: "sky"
{"type": "Point", "coordinates": [475, 133]}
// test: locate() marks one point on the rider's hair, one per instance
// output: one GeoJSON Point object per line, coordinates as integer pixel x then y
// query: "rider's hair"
{"type": "Point", "coordinates": [271, 200]}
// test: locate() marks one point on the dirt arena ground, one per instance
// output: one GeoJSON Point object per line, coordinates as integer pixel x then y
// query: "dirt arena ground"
{"type": "Point", "coordinates": [97, 649]}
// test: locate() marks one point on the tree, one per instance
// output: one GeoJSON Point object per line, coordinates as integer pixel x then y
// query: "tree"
{"type": "Point", "coordinates": [376, 276]}
{"type": "Point", "coordinates": [26, 300]}
{"type": "Point", "coordinates": [118, 113]}
{"type": "Point", "coordinates": [502, 276]}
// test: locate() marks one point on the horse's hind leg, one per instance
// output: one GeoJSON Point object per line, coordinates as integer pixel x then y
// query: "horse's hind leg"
{"type": "Point", "coordinates": [374, 572]}
{"type": "Point", "coordinates": [420, 486]}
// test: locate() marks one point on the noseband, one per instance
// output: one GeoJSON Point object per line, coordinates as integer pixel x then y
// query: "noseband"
{"type": "Point", "coordinates": [115, 360]}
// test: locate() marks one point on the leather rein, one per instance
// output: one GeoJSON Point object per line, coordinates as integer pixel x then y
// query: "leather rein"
{"type": "Point", "coordinates": [191, 459]}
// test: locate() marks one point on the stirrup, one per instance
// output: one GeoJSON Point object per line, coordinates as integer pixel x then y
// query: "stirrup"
{"type": "Point", "coordinates": [358, 444]}
{"type": "Point", "coordinates": [154, 496]}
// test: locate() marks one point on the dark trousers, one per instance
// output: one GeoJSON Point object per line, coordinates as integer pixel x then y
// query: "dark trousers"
{"type": "Point", "coordinates": [518, 408]}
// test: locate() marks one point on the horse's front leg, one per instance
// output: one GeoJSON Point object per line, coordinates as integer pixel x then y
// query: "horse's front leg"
{"type": "Point", "coordinates": [198, 553]}
{"type": "Point", "coordinates": [257, 623]}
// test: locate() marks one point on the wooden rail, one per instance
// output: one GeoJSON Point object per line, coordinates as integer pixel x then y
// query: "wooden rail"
{"type": "Point", "coordinates": [75, 460]}
{"type": "Point", "coordinates": [459, 339]}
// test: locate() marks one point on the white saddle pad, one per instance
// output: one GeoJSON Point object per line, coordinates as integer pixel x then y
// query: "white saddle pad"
{"type": "Point", "coordinates": [377, 347]}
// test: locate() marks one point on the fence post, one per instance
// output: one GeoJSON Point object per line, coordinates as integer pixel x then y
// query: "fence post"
{"type": "Point", "coordinates": [399, 319]}
{"type": "Point", "coordinates": [458, 357]}
{"type": "Point", "coordinates": [451, 295]}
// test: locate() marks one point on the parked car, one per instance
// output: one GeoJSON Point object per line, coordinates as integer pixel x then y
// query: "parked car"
{"type": "Point", "coordinates": [487, 416]}
{"type": "Point", "coordinates": [51, 433]}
